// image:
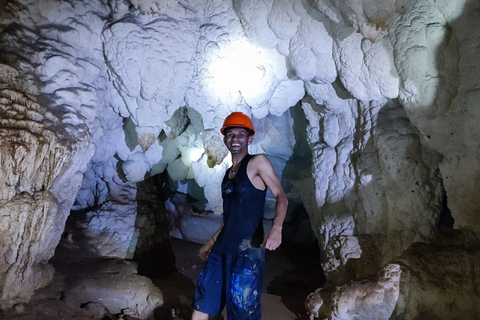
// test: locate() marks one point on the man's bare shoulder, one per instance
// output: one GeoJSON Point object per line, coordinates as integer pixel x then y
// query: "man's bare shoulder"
{"type": "Point", "coordinates": [260, 157]}
{"type": "Point", "coordinates": [260, 161]}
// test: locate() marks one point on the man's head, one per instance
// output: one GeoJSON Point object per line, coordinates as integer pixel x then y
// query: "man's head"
{"type": "Point", "coordinates": [238, 132]}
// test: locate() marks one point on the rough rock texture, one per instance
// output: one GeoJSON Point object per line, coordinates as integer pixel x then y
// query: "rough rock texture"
{"type": "Point", "coordinates": [36, 157]}
{"type": "Point", "coordinates": [186, 223]}
{"type": "Point", "coordinates": [26, 267]}
{"type": "Point", "coordinates": [154, 60]}
{"type": "Point", "coordinates": [440, 92]}
{"type": "Point", "coordinates": [88, 286]}
{"type": "Point", "coordinates": [373, 168]}
{"type": "Point", "coordinates": [113, 285]}
{"type": "Point", "coordinates": [113, 93]}
{"type": "Point", "coordinates": [48, 109]}
{"type": "Point", "coordinates": [440, 281]}
{"type": "Point", "coordinates": [428, 281]}
{"type": "Point", "coordinates": [368, 299]}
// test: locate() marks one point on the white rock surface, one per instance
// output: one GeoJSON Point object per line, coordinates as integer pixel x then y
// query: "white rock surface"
{"type": "Point", "coordinates": [48, 117]}
{"type": "Point", "coordinates": [439, 91]}
{"type": "Point", "coordinates": [24, 238]}
{"type": "Point", "coordinates": [368, 299]}
{"type": "Point", "coordinates": [149, 59]}
{"type": "Point", "coordinates": [112, 94]}
{"type": "Point", "coordinates": [115, 285]}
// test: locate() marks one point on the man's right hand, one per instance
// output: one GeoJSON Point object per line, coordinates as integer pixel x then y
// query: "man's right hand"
{"type": "Point", "coordinates": [205, 250]}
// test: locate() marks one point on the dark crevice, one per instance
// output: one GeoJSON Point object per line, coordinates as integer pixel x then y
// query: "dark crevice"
{"type": "Point", "coordinates": [446, 219]}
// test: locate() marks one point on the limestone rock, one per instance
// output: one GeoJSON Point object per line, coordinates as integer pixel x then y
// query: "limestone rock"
{"type": "Point", "coordinates": [185, 223]}
{"type": "Point", "coordinates": [148, 60]}
{"type": "Point", "coordinates": [438, 102]}
{"type": "Point", "coordinates": [439, 281]}
{"type": "Point", "coordinates": [114, 285]}
{"type": "Point", "coordinates": [137, 87]}
{"type": "Point", "coordinates": [25, 250]}
{"type": "Point", "coordinates": [377, 156]}
{"type": "Point", "coordinates": [34, 156]}
{"type": "Point", "coordinates": [86, 286]}
{"type": "Point", "coordinates": [368, 299]}
{"type": "Point", "coordinates": [32, 151]}
{"type": "Point", "coordinates": [216, 150]}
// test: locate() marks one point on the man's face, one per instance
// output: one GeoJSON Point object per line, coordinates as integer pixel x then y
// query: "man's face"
{"type": "Point", "coordinates": [237, 140]}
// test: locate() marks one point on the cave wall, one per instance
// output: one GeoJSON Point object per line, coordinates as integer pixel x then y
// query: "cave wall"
{"type": "Point", "coordinates": [98, 95]}
{"type": "Point", "coordinates": [51, 93]}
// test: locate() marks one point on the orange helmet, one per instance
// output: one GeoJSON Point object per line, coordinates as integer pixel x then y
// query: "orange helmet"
{"type": "Point", "coordinates": [237, 119]}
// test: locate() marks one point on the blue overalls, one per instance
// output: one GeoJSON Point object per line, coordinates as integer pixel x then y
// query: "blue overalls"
{"type": "Point", "coordinates": [233, 273]}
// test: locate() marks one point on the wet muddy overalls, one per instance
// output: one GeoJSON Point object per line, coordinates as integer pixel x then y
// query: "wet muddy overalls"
{"type": "Point", "coordinates": [233, 273]}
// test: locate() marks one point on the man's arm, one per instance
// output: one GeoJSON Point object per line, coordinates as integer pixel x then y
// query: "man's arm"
{"type": "Point", "coordinates": [264, 169]}
{"type": "Point", "coordinates": [207, 247]}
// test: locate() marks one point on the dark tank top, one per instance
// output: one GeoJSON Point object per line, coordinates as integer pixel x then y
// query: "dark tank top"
{"type": "Point", "coordinates": [243, 207]}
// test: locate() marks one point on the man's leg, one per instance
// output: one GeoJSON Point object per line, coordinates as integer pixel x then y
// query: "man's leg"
{"type": "Point", "coordinates": [198, 315]}
{"type": "Point", "coordinates": [209, 297]}
{"type": "Point", "coordinates": [245, 291]}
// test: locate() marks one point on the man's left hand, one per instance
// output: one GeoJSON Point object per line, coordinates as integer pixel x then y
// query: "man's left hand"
{"type": "Point", "coordinates": [273, 239]}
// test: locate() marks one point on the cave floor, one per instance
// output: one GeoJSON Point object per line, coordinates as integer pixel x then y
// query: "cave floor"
{"type": "Point", "coordinates": [291, 273]}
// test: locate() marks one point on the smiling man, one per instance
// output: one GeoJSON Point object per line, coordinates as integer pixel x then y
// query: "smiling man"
{"type": "Point", "coordinates": [233, 273]}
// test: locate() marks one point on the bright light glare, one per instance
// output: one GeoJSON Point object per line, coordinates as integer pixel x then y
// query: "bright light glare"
{"type": "Point", "coordinates": [238, 68]}
{"type": "Point", "coordinates": [191, 154]}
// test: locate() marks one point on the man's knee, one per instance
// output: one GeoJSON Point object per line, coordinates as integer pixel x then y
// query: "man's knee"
{"type": "Point", "coordinates": [198, 315]}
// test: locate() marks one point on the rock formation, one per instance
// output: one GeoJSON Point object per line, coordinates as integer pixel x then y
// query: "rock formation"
{"type": "Point", "coordinates": [367, 109]}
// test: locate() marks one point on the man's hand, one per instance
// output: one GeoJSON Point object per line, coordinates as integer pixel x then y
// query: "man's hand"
{"type": "Point", "coordinates": [273, 239]}
{"type": "Point", "coordinates": [206, 249]}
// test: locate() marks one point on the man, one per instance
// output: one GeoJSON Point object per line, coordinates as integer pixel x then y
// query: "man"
{"type": "Point", "coordinates": [233, 272]}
